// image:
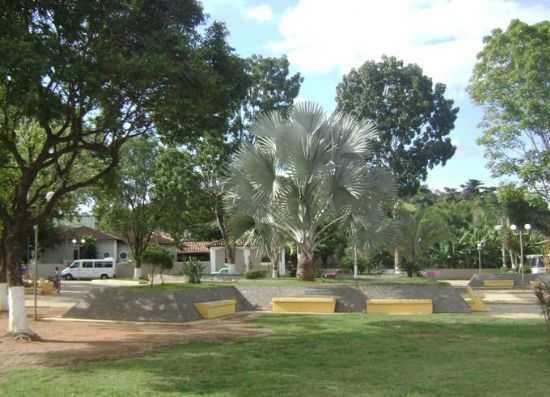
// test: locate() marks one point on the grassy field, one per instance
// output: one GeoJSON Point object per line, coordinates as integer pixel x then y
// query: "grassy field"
{"type": "Point", "coordinates": [340, 355]}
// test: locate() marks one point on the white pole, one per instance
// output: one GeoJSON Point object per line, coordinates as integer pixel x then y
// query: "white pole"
{"type": "Point", "coordinates": [521, 257]}
{"type": "Point", "coordinates": [355, 269]}
{"type": "Point", "coordinates": [35, 276]}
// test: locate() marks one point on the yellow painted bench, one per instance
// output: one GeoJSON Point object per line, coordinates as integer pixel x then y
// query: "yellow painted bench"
{"type": "Point", "coordinates": [306, 304]}
{"type": "Point", "coordinates": [498, 283]}
{"type": "Point", "coordinates": [475, 301]}
{"type": "Point", "coordinates": [399, 306]}
{"type": "Point", "coordinates": [216, 309]}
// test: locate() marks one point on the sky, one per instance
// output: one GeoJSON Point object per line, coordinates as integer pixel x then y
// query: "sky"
{"type": "Point", "coordinates": [325, 39]}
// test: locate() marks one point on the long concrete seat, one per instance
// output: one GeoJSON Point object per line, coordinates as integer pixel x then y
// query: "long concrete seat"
{"type": "Point", "coordinates": [399, 306]}
{"type": "Point", "coordinates": [498, 283]}
{"type": "Point", "coordinates": [216, 309]}
{"type": "Point", "coordinates": [309, 304]}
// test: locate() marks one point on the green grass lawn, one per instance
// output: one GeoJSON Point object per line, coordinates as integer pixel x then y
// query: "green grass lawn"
{"type": "Point", "coordinates": [340, 355]}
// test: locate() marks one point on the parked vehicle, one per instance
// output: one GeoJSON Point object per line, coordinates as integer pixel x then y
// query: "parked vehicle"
{"type": "Point", "coordinates": [227, 269]}
{"type": "Point", "coordinates": [90, 269]}
{"type": "Point", "coordinates": [536, 264]}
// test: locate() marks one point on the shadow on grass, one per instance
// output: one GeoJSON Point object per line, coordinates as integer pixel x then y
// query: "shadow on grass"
{"type": "Point", "coordinates": [336, 356]}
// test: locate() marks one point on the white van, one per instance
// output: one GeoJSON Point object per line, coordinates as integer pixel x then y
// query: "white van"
{"type": "Point", "coordinates": [90, 268]}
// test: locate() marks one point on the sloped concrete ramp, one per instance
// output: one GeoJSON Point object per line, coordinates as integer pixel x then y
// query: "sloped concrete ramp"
{"type": "Point", "coordinates": [142, 304]}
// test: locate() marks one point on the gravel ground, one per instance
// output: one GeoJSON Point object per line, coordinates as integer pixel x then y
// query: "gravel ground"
{"type": "Point", "coordinates": [65, 342]}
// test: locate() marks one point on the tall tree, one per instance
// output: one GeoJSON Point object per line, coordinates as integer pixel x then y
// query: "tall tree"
{"type": "Point", "coordinates": [93, 75]}
{"type": "Point", "coordinates": [511, 80]}
{"type": "Point", "coordinates": [412, 114]}
{"type": "Point", "coordinates": [305, 172]}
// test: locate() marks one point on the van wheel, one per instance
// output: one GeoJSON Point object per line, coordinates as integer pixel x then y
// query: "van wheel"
{"type": "Point", "coordinates": [104, 276]}
{"type": "Point", "coordinates": [69, 277]}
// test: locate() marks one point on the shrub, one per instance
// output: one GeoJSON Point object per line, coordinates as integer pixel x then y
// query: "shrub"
{"type": "Point", "coordinates": [158, 258]}
{"type": "Point", "coordinates": [542, 292]}
{"type": "Point", "coordinates": [193, 270]}
{"type": "Point", "coordinates": [255, 274]}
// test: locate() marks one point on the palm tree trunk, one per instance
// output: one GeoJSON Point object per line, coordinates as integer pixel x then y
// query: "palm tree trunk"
{"type": "Point", "coordinates": [305, 261]}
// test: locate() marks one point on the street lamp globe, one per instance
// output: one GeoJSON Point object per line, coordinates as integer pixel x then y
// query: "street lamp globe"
{"type": "Point", "coordinates": [82, 241]}
{"type": "Point", "coordinates": [513, 228]}
{"type": "Point", "coordinates": [74, 241]}
{"type": "Point", "coordinates": [49, 196]}
{"type": "Point", "coordinates": [498, 228]}
{"type": "Point", "coordinates": [527, 226]}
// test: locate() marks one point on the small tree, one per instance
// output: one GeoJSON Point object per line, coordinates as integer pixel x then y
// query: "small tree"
{"type": "Point", "coordinates": [158, 259]}
{"type": "Point", "coordinates": [542, 292]}
{"type": "Point", "coordinates": [194, 270]}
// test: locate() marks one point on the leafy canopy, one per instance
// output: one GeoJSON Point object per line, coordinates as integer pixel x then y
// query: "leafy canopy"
{"type": "Point", "coordinates": [412, 115]}
{"type": "Point", "coordinates": [511, 80]}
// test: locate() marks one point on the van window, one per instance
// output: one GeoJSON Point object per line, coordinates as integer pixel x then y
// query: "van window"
{"type": "Point", "coordinates": [98, 264]}
{"type": "Point", "coordinates": [108, 264]}
{"type": "Point", "coordinates": [87, 265]}
{"type": "Point", "coordinates": [75, 265]}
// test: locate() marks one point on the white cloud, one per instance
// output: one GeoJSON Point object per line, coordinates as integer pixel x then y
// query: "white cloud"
{"type": "Point", "coordinates": [441, 36]}
{"type": "Point", "coordinates": [261, 13]}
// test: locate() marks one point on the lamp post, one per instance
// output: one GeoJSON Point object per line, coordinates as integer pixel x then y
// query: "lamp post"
{"type": "Point", "coordinates": [479, 247]}
{"type": "Point", "coordinates": [49, 196]}
{"type": "Point", "coordinates": [520, 232]}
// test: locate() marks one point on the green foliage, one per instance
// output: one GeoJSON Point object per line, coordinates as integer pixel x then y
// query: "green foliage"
{"type": "Point", "coordinates": [159, 259]}
{"type": "Point", "coordinates": [511, 80]}
{"type": "Point", "coordinates": [418, 229]}
{"type": "Point", "coordinates": [80, 78]}
{"type": "Point", "coordinates": [255, 274]}
{"type": "Point", "coordinates": [194, 270]}
{"type": "Point", "coordinates": [412, 115]}
{"type": "Point", "coordinates": [346, 261]}
{"type": "Point", "coordinates": [542, 292]}
{"type": "Point", "coordinates": [306, 171]}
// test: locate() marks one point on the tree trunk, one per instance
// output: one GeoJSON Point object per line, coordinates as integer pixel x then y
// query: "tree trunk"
{"type": "Point", "coordinates": [229, 247]}
{"type": "Point", "coordinates": [137, 268]}
{"type": "Point", "coordinates": [3, 278]}
{"type": "Point", "coordinates": [275, 258]}
{"type": "Point", "coordinates": [396, 258]}
{"type": "Point", "coordinates": [305, 262]}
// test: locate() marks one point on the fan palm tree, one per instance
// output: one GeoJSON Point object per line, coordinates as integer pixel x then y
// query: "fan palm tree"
{"type": "Point", "coordinates": [418, 229]}
{"type": "Point", "coordinates": [306, 171]}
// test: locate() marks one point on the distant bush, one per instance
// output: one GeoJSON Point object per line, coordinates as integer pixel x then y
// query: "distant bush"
{"type": "Point", "coordinates": [255, 274]}
{"type": "Point", "coordinates": [193, 270]}
{"type": "Point", "coordinates": [159, 259]}
{"type": "Point", "coordinates": [542, 292]}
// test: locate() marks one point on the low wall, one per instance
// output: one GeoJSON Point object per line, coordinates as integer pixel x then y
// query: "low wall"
{"type": "Point", "coordinates": [143, 304]}
{"type": "Point", "coordinates": [455, 274]}
{"type": "Point", "coordinates": [477, 280]}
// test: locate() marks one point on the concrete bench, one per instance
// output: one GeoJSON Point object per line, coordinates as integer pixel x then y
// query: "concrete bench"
{"type": "Point", "coordinates": [304, 304]}
{"type": "Point", "coordinates": [475, 301]}
{"type": "Point", "coordinates": [216, 309]}
{"type": "Point", "coordinates": [399, 306]}
{"type": "Point", "coordinates": [498, 283]}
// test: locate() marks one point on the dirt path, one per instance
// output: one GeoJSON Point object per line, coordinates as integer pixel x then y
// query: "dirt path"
{"type": "Point", "coordinates": [65, 342]}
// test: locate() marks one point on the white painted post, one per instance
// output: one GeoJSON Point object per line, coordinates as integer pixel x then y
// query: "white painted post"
{"type": "Point", "coordinates": [17, 319]}
{"type": "Point", "coordinates": [282, 263]}
{"type": "Point", "coordinates": [212, 259]}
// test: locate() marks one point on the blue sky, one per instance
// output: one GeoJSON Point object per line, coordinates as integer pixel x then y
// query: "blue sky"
{"type": "Point", "coordinates": [324, 39]}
